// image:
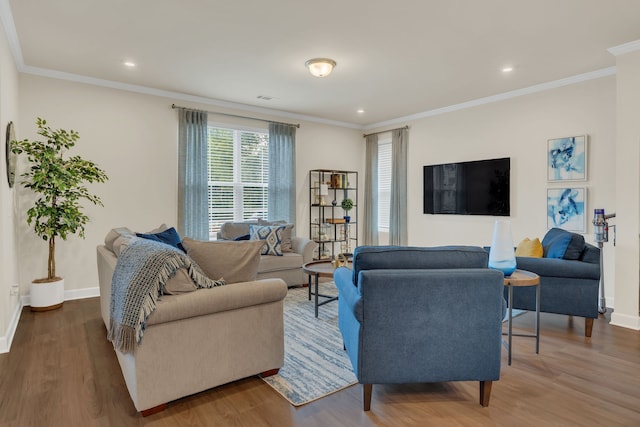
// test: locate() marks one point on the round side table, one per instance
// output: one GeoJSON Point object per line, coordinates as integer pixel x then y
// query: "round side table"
{"type": "Point", "coordinates": [522, 278]}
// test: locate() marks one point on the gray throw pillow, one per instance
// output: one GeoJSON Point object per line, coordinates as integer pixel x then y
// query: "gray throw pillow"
{"type": "Point", "coordinates": [232, 261]}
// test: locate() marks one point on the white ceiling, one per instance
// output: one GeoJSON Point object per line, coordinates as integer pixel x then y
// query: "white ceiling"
{"type": "Point", "coordinates": [395, 58]}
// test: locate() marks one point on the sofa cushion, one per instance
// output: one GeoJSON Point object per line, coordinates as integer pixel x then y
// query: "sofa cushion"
{"type": "Point", "coordinates": [169, 236]}
{"type": "Point", "coordinates": [286, 234]}
{"type": "Point", "coordinates": [179, 283]}
{"type": "Point", "coordinates": [232, 261]}
{"type": "Point", "coordinates": [288, 261]}
{"type": "Point", "coordinates": [530, 248]}
{"type": "Point", "coordinates": [115, 234]}
{"type": "Point", "coordinates": [233, 230]}
{"type": "Point", "coordinates": [409, 257]}
{"type": "Point", "coordinates": [559, 243]}
{"type": "Point", "coordinates": [271, 235]}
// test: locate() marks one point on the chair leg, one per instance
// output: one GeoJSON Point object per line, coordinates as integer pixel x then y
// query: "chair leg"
{"type": "Point", "coordinates": [485, 392]}
{"type": "Point", "coordinates": [588, 326]}
{"type": "Point", "coordinates": [366, 396]}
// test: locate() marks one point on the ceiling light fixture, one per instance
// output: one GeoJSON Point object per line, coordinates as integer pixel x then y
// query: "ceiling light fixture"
{"type": "Point", "coordinates": [320, 67]}
{"type": "Point", "coordinates": [507, 69]}
{"type": "Point", "coordinates": [129, 64]}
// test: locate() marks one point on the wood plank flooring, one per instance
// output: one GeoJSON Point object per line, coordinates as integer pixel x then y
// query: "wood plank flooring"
{"type": "Point", "coordinates": [62, 371]}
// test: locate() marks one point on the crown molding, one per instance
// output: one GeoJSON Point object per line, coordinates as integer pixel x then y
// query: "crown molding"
{"type": "Point", "coordinates": [605, 72]}
{"type": "Point", "coordinates": [6, 17]}
{"type": "Point", "coordinates": [624, 48]}
{"type": "Point", "coordinates": [61, 75]}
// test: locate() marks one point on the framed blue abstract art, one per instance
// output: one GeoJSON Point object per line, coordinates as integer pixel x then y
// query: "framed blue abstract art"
{"type": "Point", "coordinates": [566, 208]}
{"type": "Point", "coordinates": [567, 159]}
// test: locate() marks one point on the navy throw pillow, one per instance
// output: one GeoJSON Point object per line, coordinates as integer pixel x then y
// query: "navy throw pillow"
{"type": "Point", "coordinates": [169, 236]}
{"type": "Point", "coordinates": [559, 243]}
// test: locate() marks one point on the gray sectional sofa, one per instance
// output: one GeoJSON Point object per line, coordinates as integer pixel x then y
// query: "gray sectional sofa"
{"type": "Point", "coordinates": [569, 278]}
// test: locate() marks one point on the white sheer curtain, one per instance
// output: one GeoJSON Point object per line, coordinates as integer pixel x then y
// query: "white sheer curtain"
{"type": "Point", "coordinates": [193, 210]}
{"type": "Point", "coordinates": [398, 234]}
{"type": "Point", "coordinates": [282, 172]}
{"type": "Point", "coordinates": [370, 214]}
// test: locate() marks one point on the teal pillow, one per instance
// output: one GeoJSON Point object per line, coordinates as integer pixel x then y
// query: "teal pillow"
{"type": "Point", "coordinates": [169, 236]}
{"type": "Point", "coordinates": [272, 235]}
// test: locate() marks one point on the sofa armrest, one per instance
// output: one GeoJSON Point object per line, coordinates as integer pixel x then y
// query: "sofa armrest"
{"type": "Point", "coordinates": [304, 247]}
{"type": "Point", "coordinates": [214, 300]}
{"type": "Point", "coordinates": [556, 267]}
{"type": "Point", "coordinates": [348, 292]}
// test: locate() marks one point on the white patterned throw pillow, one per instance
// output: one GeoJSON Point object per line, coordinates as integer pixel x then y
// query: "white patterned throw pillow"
{"type": "Point", "coordinates": [272, 235]}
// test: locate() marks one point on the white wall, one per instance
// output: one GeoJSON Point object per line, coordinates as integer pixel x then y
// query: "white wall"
{"type": "Point", "coordinates": [517, 128]}
{"type": "Point", "coordinates": [8, 249]}
{"type": "Point", "coordinates": [628, 190]}
{"type": "Point", "coordinates": [134, 138]}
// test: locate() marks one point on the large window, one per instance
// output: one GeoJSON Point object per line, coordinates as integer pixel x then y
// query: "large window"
{"type": "Point", "coordinates": [238, 170]}
{"type": "Point", "coordinates": [384, 184]}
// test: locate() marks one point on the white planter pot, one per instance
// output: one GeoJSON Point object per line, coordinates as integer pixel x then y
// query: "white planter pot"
{"type": "Point", "coordinates": [46, 295]}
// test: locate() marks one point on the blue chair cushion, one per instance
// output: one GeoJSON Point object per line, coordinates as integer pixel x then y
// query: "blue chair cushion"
{"type": "Point", "coordinates": [410, 257]}
{"type": "Point", "coordinates": [559, 243]}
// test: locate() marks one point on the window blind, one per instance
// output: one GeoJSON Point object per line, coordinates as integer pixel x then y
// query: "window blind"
{"type": "Point", "coordinates": [384, 185]}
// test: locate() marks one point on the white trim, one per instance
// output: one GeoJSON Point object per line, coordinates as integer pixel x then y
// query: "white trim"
{"type": "Point", "coordinates": [605, 72]}
{"type": "Point", "coordinates": [5, 341]}
{"type": "Point", "coordinates": [625, 321]}
{"type": "Point", "coordinates": [624, 48]}
{"type": "Point", "coordinates": [70, 295]}
{"type": "Point", "coordinates": [6, 16]}
{"type": "Point", "coordinates": [61, 75]}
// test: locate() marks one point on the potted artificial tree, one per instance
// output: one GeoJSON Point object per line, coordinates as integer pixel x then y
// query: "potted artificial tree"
{"type": "Point", "coordinates": [347, 205]}
{"type": "Point", "coordinates": [59, 184]}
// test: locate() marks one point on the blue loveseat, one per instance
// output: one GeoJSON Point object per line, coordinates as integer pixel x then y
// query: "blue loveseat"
{"type": "Point", "coordinates": [569, 277]}
{"type": "Point", "coordinates": [411, 314]}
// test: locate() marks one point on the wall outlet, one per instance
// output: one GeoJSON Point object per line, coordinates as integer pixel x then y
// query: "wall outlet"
{"type": "Point", "coordinates": [15, 290]}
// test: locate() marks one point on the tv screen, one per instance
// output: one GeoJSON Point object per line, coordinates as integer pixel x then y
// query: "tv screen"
{"type": "Point", "coordinates": [468, 188]}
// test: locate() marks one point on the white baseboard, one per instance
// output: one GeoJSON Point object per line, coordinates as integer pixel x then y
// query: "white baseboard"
{"type": "Point", "coordinates": [5, 341]}
{"type": "Point", "coordinates": [72, 294]}
{"type": "Point", "coordinates": [625, 321]}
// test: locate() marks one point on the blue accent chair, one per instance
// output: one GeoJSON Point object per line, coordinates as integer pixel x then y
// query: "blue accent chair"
{"type": "Point", "coordinates": [413, 315]}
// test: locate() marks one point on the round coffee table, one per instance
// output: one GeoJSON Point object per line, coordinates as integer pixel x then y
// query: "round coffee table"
{"type": "Point", "coordinates": [319, 269]}
{"type": "Point", "coordinates": [523, 278]}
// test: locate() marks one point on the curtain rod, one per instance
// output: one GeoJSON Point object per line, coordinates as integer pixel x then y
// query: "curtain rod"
{"type": "Point", "coordinates": [383, 131]}
{"type": "Point", "coordinates": [174, 106]}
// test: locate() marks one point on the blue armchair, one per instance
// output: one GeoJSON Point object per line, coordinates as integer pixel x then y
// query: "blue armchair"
{"type": "Point", "coordinates": [411, 315]}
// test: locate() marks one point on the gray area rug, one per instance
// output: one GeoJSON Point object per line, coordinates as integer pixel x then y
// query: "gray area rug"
{"type": "Point", "coordinates": [315, 364]}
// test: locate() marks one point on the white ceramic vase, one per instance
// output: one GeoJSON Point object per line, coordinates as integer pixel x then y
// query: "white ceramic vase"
{"type": "Point", "coordinates": [502, 256]}
{"type": "Point", "coordinates": [46, 296]}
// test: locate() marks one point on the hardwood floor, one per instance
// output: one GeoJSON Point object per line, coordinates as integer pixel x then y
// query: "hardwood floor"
{"type": "Point", "coordinates": [62, 371]}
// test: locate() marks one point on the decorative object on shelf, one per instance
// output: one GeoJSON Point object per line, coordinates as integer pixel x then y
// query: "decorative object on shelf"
{"type": "Point", "coordinates": [11, 156]}
{"type": "Point", "coordinates": [59, 184]}
{"type": "Point", "coordinates": [566, 208]}
{"type": "Point", "coordinates": [502, 255]}
{"type": "Point", "coordinates": [347, 205]}
{"type": "Point", "coordinates": [334, 202]}
{"type": "Point", "coordinates": [567, 159]}
{"type": "Point", "coordinates": [324, 192]}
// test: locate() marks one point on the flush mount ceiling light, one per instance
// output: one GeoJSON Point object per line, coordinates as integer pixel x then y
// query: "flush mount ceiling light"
{"type": "Point", "coordinates": [320, 67]}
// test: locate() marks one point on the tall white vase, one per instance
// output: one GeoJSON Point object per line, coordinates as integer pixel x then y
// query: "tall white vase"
{"type": "Point", "coordinates": [502, 256]}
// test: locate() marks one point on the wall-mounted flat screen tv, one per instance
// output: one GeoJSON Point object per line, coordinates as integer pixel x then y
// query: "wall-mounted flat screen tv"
{"type": "Point", "coordinates": [468, 188]}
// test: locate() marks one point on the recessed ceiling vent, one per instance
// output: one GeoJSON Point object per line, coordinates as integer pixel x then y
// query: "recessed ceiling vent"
{"type": "Point", "coordinates": [266, 98]}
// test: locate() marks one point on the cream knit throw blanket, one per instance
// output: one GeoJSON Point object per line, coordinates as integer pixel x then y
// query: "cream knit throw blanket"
{"type": "Point", "coordinates": [142, 271]}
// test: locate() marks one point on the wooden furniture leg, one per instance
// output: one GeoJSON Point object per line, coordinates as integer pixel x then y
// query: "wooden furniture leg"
{"type": "Point", "coordinates": [154, 410]}
{"type": "Point", "coordinates": [588, 326]}
{"type": "Point", "coordinates": [366, 396]}
{"type": "Point", "coordinates": [269, 373]}
{"type": "Point", "coordinates": [485, 392]}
